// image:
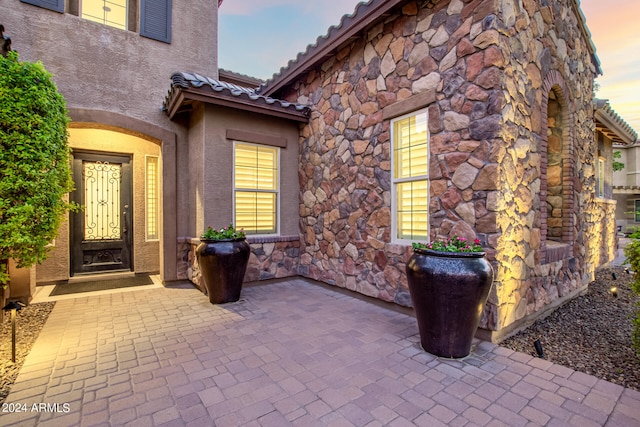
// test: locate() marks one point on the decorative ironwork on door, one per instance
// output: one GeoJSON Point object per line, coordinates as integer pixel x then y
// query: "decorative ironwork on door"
{"type": "Point", "coordinates": [101, 233]}
{"type": "Point", "coordinates": [102, 185]}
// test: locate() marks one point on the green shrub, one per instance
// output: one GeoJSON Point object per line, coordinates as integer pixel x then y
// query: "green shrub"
{"type": "Point", "coordinates": [222, 234]}
{"type": "Point", "coordinates": [632, 253]}
{"type": "Point", "coordinates": [617, 166]}
{"type": "Point", "coordinates": [35, 175]}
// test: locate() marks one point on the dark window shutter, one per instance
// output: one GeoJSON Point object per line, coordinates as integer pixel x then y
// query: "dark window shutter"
{"type": "Point", "coordinates": [155, 19]}
{"type": "Point", "coordinates": [57, 5]}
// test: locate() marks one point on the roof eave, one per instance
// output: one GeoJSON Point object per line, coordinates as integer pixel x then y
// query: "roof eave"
{"type": "Point", "coordinates": [618, 133]}
{"type": "Point", "coordinates": [239, 79]}
{"type": "Point", "coordinates": [587, 35]}
{"type": "Point", "coordinates": [181, 96]}
{"type": "Point", "coordinates": [365, 15]}
{"type": "Point", "coordinates": [351, 25]}
{"type": "Point", "coordinates": [174, 101]}
{"type": "Point", "coordinates": [611, 124]}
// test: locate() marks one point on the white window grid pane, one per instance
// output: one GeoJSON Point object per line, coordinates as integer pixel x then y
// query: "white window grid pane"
{"type": "Point", "coordinates": [410, 177]}
{"type": "Point", "coordinates": [256, 212]}
{"type": "Point", "coordinates": [411, 147]}
{"type": "Point", "coordinates": [256, 168]}
{"type": "Point", "coordinates": [600, 177]}
{"type": "Point", "coordinates": [109, 12]}
{"type": "Point", "coordinates": [152, 198]}
{"type": "Point", "coordinates": [413, 210]}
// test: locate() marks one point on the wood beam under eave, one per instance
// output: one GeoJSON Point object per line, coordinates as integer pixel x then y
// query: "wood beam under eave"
{"type": "Point", "coordinates": [240, 103]}
{"type": "Point", "coordinates": [175, 103]}
{"type": "Point", "coordinates": [614, 127]}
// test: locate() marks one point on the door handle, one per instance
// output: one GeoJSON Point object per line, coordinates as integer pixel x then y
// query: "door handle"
{"type": "Point", "coordinates": [124, 219]}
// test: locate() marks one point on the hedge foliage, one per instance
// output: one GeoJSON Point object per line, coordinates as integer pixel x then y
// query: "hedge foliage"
{"type": "Point", "coordinates": [35, 175]}
{"type": "Point", "coordinates": [632, 254]}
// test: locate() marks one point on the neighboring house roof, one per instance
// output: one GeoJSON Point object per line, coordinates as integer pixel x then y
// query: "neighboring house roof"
{"type": "Point", "coordinates": [364, 15]}
{"type": "Point", "coordinates": [612, 125]}
{"type": "Point", "coordinates": [587, 35]}
{"type": "Point", "coordinates": [189, 87]}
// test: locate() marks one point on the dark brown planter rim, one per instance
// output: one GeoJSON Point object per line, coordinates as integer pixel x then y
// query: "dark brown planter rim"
{"type": "Point", "coordinates": [423, 251]}
{"type": "Point", "coordinates": [239, 239]}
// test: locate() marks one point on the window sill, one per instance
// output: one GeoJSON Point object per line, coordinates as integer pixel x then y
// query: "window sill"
{"type": "Point", "coordinates": [272, 239]}
{"type": "Point", "coordinates": [557, 251]}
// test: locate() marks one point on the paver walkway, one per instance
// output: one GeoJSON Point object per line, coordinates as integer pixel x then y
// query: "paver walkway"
{"type": "Point", "coordinates": [288, 353]}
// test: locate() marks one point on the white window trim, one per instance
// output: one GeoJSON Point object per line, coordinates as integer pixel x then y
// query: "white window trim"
{"type": "Point", "coordinates": [394, 181]}
{"type": "Point", "coordinates": [277, 191]}
{"type": "Point", "coordinates": [146, 199]}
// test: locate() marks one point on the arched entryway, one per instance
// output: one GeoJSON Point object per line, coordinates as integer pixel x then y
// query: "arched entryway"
{"type": "Point", "coordinates": [118, 185]}
{"type": "Point", "coordinates": [150, 149]}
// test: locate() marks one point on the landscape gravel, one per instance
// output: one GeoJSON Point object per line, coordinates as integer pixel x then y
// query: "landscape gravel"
{"type": "Point", "coordinates": [29, 323]}
{"type": "Point", "coordinates": [591, 333]}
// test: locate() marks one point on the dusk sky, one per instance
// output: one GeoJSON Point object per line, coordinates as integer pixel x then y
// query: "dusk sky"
{"type": "Point", "coordinates": [258, 37]}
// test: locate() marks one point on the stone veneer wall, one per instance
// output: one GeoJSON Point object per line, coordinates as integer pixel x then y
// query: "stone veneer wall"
{"type": "Point", "coordinates": [271, 258]}
{"type": "Point", "coordinates": [555, 144]}
{"type": "Point", "coordinates": [486, 63]}
{"type": "Point", "coordinates": [546, 56]}
{"type": "Point", "coordinates": [424, 53]}
{"type": "Point", "coordinates": [607, 231]}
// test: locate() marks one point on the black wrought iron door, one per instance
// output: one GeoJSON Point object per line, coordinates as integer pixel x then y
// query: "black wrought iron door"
{"type": "Point", "coordinates": [101, 232]}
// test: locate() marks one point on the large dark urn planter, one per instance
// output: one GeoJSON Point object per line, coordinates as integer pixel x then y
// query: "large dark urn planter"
{"type": "Point", "coordinates": [449, 291]}
{"type": "Point", "coordinates": [223, 264]}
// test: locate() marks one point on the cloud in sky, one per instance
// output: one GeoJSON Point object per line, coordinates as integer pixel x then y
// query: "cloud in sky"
{"type": "Point", "coordinates": [327, 11]}
{"type": "Point", "coordinates": [258, 37]}
{"type": "Point", "coordinates": [616, 35]}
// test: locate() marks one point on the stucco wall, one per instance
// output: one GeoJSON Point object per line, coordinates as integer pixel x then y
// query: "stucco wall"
{"type": "Point", "coordinates": [630, 175]}
{"type": "Point", "coordinates": [195, 186]}
{"type": "Point", "coordinates": [104, 68]}
{"type": "Point", "coordinates": [627, 192]}
{"type": "Point", "coordinates": [211, 166]}
{"type": "Point", "coordinates": [105, 72]}
{"type": "Point", "coordinates": [210, 192]}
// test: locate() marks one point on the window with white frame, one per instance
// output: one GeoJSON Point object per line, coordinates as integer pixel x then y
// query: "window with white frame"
{"type": "Point", "coordinates": [410, 176]}
{"type": "Point", "coordinates": [601, 163]}
{"type": "Point", "coordinates": [152, 198]}
{"type": "Point", "coordinates": [636, 211]}
{"type": "Point", "coordinates": [256, 188]}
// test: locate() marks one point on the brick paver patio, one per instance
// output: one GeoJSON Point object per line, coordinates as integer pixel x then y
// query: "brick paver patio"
{"type": "Point", "coordinates": [288, 353]}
